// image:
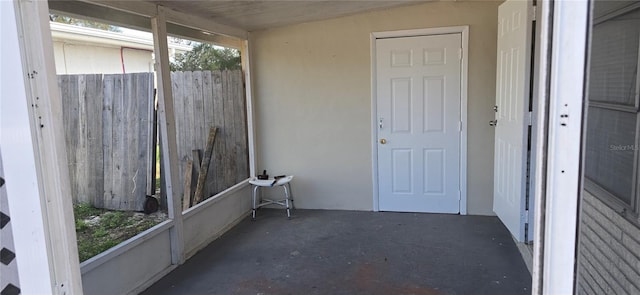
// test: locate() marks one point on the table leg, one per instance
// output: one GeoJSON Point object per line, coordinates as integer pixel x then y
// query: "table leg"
{"type": "Point", "coordinates": [253, 202]}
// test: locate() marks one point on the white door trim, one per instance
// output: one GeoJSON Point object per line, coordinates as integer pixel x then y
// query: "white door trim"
{"type": "Point", "coordinates": [464, 30]}
{"type": "Point", "coordinates": [557, 215]}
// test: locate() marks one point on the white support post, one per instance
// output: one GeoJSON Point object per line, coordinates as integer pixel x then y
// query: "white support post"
{"type": "Point", "coordinates": [566, 73]}
{"type": "Point", "coordinates": [167, 122]}
{"type": "Point", "coordinates": [34, 153]}
{"type": "Point", "coordinates": [245, 54]}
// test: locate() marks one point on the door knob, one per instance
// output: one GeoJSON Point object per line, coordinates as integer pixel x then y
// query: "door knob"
{"type": "Point", "coordinates": [383, 141]}
{"type": "Point", "coordinates": [493, 123]}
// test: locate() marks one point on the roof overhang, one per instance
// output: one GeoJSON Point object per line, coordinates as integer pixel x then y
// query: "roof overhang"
{"type": "Point", "coordinates": [222, 22]}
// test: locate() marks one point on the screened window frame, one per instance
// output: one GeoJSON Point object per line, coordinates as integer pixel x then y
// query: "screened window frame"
{"type": "Point", "coordinates": [630, 211]}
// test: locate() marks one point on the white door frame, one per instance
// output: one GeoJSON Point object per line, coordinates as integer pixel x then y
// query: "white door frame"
{"type": "Point", "coordinates": [558, 187]}
{"type": "Point", "coordinates": [464, 31]}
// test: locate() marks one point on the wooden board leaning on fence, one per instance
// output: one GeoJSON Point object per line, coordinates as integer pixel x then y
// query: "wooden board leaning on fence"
{"type": "Point", "coordinates": [197, 197]}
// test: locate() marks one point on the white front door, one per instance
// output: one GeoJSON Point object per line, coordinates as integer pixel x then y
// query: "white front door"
{"type": "Point", "coordinates": [512, 108]}
{"type": "Point", "coordinates": [418, 108]}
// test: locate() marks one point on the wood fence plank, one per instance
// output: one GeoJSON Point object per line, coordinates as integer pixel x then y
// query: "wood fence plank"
{"type": "Point", "coordinates": [130, 123]}
{"type": "Point", "coordinates": [187, 129]}
{"type": "Point", "coordinates": [151, 142]}
{"type": "Point", "coordinates": [190, 142]}
{"type": "Point", "coordinates": [127, 160]}
{"type": "Point", "coordinates": [204, 166]}
{"type": "Point", "coordinates": [186, 197]}
{"type": "Point", "coordinates": [176, 101]}
{"type": "Point", "coordinates": [219, 148]}
{"type": "Point", "coordinates": [143, 156]}
{"type": "Point", "coordinates": [197, 158]}
{"type": "Point", "coordinates": [207, 93]}
{"type": "Point", "coordinates": [143, 138]}
{"type": "Point", "coordinates": [229, 158]}
{"type": "Point", "coordinates": [131, 136]}
{"type": "Point", "coordinates": [177, 88]}
{"type": "Point", "coordinates": [69, 101]}
{"type": "Point", "coordinates": [128, 163]}
{"type": "Point", "coordinates": [163, 181]}
{"type": "Point", "coordinates": [119, 148]}
{"type": "Point", "coordinates": [75, 141]}
{"type": "Point", "coordinates": [155, 172]}
{"type": "Point", "coordinates": [197, 161]}
{"type": "Point", "coordinates": [200, 131]}
{"type": "Point", "coordinates": [95, 150]}
{"type": "Point", "coordinates": [63, 85]}
{"type": "Point", "coordinates": [240, 123]}
{"type": "Point", "coordinates": [208, 99]}
{"type": "Point", "coordinates": [107, 136]}
{"type": "Point", "coordinates": [146, 146]}
{"type": "Point", "coordinates": [81, 137]}
{"type": "Point", "coordinates": [144, 152]}
{"type": "Point", "coordinates": [71, 126]}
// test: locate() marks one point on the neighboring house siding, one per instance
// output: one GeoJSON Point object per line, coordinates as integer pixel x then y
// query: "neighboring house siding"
{"type": "Point", "coordinates": [608, 251]}
{"type": "Point", "coordinates": [96, 59]}
{"type": "Point", "coordinates": [82, 50]}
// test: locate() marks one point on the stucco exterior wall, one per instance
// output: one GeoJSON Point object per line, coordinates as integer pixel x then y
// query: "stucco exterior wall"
{"type": "Point", "coordinates": [313, 101]}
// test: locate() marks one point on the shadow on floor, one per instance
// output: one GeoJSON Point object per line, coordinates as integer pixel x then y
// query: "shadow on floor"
{"type": "Point", "coordinates": [353, 252]}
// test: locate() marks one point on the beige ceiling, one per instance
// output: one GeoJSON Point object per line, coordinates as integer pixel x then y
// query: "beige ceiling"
{"type": "Point", "coordinates": [258, 15]}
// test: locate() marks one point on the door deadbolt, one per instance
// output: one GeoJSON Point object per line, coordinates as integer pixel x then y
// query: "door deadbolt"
{"type": "Point", "coordinates": [383, 141]}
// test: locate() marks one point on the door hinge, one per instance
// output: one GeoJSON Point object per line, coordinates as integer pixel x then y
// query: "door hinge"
{"type": "Point", "coordinates": [459, 195]}
{"type": "Point", "coordinates": [530, 118]}
{"type": "Point", "coordinates": [460, 53]}
{"type": "Point", "coordinates": [459, 126]}
{"type": "Point", "coordinates": [534, 11]}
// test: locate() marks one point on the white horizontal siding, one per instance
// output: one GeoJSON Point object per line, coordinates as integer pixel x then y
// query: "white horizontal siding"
{"type": "Point", "coordinates": [608, 252]}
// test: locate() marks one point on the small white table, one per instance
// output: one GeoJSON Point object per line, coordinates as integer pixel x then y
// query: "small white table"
{"type": "Point", "coordinates": [284, 182]}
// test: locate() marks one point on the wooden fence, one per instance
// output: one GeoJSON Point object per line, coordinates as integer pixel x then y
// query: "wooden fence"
{"type": "Point", "coordinates": [109, 130]}
{"type": "Point", "coordinates": [109, 133]}
{"type": "Point", "coordinates": [205, 99]}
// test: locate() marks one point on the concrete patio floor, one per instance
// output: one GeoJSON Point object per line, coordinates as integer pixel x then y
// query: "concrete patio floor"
{"type": "Point", "coordinates": [353, 252]}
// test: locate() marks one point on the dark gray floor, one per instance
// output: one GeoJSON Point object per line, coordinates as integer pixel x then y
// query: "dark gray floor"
{"type": "Point", "coordinates": [349, 252]}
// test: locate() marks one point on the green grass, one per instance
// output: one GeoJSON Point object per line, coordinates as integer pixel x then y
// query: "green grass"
{"type": "Point", "coordinates": [84, 211]}
{"type": "Point", "coordinates": [113, 227]}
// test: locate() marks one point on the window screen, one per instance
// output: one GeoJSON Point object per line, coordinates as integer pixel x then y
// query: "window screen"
{"type": "Point", "coordinates": [612, 123]}
{"type": "Point", "coordinates": [614, 59]}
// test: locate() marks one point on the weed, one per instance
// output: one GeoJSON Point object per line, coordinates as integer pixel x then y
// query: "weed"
{"type": "Point", "coordinates": [83, 211]}
{"type": "Point", "coordinates": [100, 232]}
{"type": "Point", "coordinates": [111, 220]}
{"type": "Point", "coordinates": [81, 225]}
{"type": "Point", "coordinates": [107, 229]}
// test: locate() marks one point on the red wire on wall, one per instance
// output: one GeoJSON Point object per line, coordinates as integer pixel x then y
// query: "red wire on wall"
{"type": "Point", "coordinates": [122, 48]}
